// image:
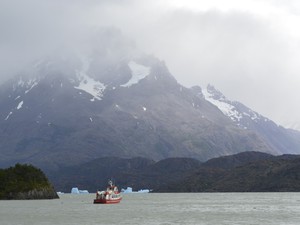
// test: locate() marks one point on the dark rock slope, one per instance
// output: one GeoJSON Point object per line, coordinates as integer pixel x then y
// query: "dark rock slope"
{"type": "Point", "coordinates": [259, 173]}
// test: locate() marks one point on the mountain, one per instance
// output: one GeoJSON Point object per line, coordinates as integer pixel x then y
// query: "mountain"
{"type": "Point", "coordinates": [139, 173]}
{"type": "Point", "coordinates": [112, 100]}
{"type": "Point", "coordinates": [259, 174]}
{"type": "Point", "coordinates": [232, 161]}
{"type": "Point", "coordinates": [246, 171]}
{"type": "Point", "coordinates": [292, 125]}
{"type": "Point", "coordinates": [280, 139]}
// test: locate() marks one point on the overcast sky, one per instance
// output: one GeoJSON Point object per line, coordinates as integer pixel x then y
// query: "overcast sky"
{"type": "Point", "coordinates": [248, 49]}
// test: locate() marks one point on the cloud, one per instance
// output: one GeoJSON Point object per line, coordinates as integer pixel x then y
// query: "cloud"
{"type": "Point", "coordinates": [240, 53]}
{"type": "Point", "coordinates": [29, 29]}
{"type": "Point", "coordinates": [32, 29]}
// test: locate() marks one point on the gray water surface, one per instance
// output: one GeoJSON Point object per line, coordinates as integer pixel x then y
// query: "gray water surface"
{"type": "Point", "coordinates": [154, 209]}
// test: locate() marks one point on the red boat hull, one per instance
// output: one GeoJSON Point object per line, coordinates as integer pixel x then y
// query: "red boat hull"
{"type": "Point", "coordinates": [110, 196]}
{"type": "Point", "coordinates": [107, 201]}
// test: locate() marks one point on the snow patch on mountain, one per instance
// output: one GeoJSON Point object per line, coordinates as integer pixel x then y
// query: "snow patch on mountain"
{"type": "Point", "coordinates": [226, 108]}
{"type": "Point", "coordinates": [32, 86]}
{"type": "Point", "coordinates": [20, 105]}
{"type": "Point", "coordinates": [234, 110]}
{"type": "Point", "coordinates": [8, 116]}
{"type": "Point", "coordinates": [29, 85]}
{"type": "Point", "coordinates": [88, 84]}
{"type": "Point", "coordinates": [138, 73]}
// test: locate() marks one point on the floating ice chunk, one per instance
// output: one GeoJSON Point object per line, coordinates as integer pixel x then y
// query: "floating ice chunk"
{"type": "Point", "coordinates": [128, 190]}
{"type": "Point", "coordinates": [74, 190]}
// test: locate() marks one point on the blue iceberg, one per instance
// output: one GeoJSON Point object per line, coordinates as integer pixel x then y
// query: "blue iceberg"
{"type": "Point", "coordinates": [129, 190]}
{"type": "Point", "coordinates": [144, 191]}
{"type": "Point", "coordinates": [75, 190]}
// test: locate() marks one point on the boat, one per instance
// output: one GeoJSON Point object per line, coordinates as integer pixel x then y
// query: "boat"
{"type": "Point", "coordinates": [109, 196]}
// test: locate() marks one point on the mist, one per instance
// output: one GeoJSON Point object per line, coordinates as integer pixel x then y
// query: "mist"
{"type": "Point", "coordinates": [249, 51]}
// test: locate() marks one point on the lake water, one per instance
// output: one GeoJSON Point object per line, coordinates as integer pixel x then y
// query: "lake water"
{"type": "Point", "coordinates": [156, 208]}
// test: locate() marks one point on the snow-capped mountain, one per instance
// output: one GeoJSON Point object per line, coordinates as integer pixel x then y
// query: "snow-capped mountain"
{"type": "Point", "coordinates": [68, 110]}
{"type": "Point", "coordinates": [237, 112]}
{"type": "Point", "coordinates": [278, 137]}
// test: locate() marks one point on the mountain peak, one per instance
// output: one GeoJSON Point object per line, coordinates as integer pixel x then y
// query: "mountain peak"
{"type": "Point", "coordinates": [226, 106]}
{"type": "Point", "coordinates": [214, 93]}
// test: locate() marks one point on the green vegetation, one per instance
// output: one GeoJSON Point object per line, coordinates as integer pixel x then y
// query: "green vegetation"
{"type": "Point", "coordinates": [25, 182]}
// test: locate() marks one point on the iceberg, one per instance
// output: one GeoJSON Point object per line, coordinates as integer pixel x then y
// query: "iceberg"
{"type": "Point", "coordinates": [144, 191]}
{"type": "Point", "coordinates": [129, 190]}
{"type": "Point", "coordinates": [75, 190]}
